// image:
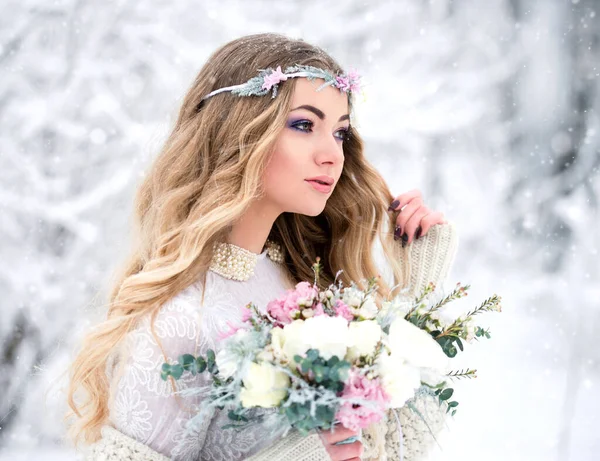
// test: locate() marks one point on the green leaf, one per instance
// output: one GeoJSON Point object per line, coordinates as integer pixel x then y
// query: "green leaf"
{"type": "Point", "coordinates": [446, 394]}
{"type": "Point", "coordinates": [200, 364]}
{"type": "Point", "coordinates": [333, 361]}
{"type": "Point", "coordinates": [186, 360]}
{"type": "Point", "coordinates": [176, 371]}
{"type": "Point", "coordinates": [460, 344]}
{"type": "Point", "coordinates": [312, 354]}
{"type": "Point", "coordinates": [297, 358]}
{"type": "Point", "coordinates": [165, 371]}
{"type": "Point", "coordinates": [319, 372]}
{"type": "Point", "coordinates": [306, 364]}
{"type": "Point", "coordinates": [236, 417]}
{"type": "Point", "coordinates": [210, 362]}
{"type": "Point", "coordinates": [452, 404]}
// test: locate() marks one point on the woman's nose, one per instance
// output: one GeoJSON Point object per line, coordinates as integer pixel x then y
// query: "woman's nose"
{"type": "Point", "coordinates": [329, 150]}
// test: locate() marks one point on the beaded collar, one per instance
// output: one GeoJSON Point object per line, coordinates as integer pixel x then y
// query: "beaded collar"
{"type": "Point", "coordinates": [237, 263]}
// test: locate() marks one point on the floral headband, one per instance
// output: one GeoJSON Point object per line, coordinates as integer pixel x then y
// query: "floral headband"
{"type": "Point", "coordinates": [269, 79]}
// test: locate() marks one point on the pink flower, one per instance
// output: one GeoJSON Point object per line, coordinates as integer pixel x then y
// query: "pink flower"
{"type": "Point", "coordinates": [273, 78]}
{"type": "Point", "coordinates": [355, 416]}
{"type": "Point", "coordinates": [342, 310]}
{"type": "Point", "coordinates": [342, 83]}
{"type": "Point", "coordinates": [285, 307]}
{"type": "Point", "coordinates": [319, 310]}
{"type": "Point", "coordinates": [354, 78]}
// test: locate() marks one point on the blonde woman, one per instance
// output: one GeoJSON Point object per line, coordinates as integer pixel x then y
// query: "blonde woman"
{"type": "Point", "coordinates": [253, 183]}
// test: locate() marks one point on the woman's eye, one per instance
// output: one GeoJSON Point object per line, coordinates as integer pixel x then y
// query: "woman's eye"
{"type": "Point", "coordinates": [304, 123]}
{"type": "Point", "coordinates": [344, 134]}
{"type": "Point", "coordinates": [306, 126]}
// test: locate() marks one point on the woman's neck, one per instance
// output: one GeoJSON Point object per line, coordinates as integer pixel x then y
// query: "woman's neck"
{"type": "Point", "coordinates": [252, 229]}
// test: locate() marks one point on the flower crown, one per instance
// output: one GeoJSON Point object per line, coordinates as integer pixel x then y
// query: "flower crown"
{"type": "Point", "coordinates": [269, 79]}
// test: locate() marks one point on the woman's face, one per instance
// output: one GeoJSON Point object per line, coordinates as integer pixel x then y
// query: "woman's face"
{"type": "Point", "coordinates": [309, 146]}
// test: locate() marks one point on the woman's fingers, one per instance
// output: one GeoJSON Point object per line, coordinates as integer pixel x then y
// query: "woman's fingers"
{"type": "Point", "coordinates": [414, 219]}
{"type": "Point", "coordinates": [339, 433]}
{"type": "Point", "coordinates": [345, 452]}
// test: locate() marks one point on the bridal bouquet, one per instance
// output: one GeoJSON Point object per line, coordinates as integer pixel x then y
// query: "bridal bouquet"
{"type": "Point", "coordinates": [321, 357]}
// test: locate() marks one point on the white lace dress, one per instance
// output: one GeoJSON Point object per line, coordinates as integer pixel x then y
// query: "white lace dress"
{"type": "Point", "coordinates": [144, 407]}
{"type": "Point", "coordinates": [147, 421]}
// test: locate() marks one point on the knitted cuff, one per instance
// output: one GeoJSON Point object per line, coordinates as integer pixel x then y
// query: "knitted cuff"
{"type": "Point", "coordinates": [430, 257]}
{"type": "Point", "coordinates": [116, 446]}
{"type": "Point", "coordinates": [294, 447]}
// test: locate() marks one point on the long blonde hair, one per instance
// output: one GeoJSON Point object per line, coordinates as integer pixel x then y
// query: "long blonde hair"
{"type": "Point", "coordinates": [207, 174]}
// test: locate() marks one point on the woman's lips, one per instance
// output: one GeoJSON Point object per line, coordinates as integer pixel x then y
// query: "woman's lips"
{"type": "Point", "coordinates": [320, 187]}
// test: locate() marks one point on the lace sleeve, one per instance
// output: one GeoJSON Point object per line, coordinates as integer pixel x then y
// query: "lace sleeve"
{"type": "Point", "coordinates": [146, 408]}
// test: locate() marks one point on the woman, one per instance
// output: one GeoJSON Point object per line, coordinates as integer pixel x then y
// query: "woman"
{"type": "Point", "coordinates": [253, 183]}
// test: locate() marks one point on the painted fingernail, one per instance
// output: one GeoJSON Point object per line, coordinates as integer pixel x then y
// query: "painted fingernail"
{"type": "Point", "coordinates": [397, 233]}
{"type": "Point", "coordinates": [418, 233]}
{"type": "Point", "coordinates": [404, 239]}
{"type": "Point", "coordinates": [393, 205]}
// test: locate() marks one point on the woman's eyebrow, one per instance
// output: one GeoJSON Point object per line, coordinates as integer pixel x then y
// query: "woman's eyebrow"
{"type": "Point", "coordinates": [319, 113]}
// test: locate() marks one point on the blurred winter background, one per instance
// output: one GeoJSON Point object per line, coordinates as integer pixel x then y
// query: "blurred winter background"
{"type": "Point", "coordinates": [490, 108]}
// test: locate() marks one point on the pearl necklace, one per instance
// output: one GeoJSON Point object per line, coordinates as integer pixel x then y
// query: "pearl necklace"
{"type": "Point", "coordinates": [237, 263]}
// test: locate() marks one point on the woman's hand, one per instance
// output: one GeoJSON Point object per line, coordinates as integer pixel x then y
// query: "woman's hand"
{"type": "Point", "coordinates": [347, 452]}
{"type": "Point", "coordinates": [414, 218]}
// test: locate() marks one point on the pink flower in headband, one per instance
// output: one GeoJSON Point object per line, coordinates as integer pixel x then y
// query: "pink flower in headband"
{"type": "Point", "coordinates": [354, 80]}
{"type": "Point", "coordinates": [343, 83]}
{"type": "Point", "coordinates": [348, 82]}
{"type": "Point", "coordinates": [274, 78]}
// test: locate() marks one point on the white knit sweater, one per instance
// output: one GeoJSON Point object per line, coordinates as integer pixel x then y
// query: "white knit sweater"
{"type": "Point", "coordinates": [148, 421]}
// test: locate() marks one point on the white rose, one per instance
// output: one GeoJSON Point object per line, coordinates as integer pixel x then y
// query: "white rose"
{"type": "Point", "coordinates": [277, 342]}
{"type": "Point", "coordinates": [364, 336]}
{"type": "Point", "coordinates": [352, 297]}
{"type": "Point", "coordinates": [226, 363]}
{"type": "Point", "coordinates": [369, 309]}
{"type": "Point", "coordinates": [398, 379]}
{"type": "Point", "coordinates": [264, 386]}
{"type": "Point", "coordinates": [416, 346]}
{"type": "Point", "coordinates": [292, 339]}
{"type": "Point", "coordinates": [329, 335]}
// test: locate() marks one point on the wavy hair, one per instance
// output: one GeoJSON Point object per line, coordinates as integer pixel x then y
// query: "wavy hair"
{"type": "Point", "coordinates": [208, 172]}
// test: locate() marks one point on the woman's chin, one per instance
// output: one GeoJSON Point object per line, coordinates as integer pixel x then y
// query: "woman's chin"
{"type": "Point", "coordinates": [310, 210]}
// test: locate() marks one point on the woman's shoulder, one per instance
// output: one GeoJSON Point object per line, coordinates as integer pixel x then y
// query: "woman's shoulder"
{"type": "Point", "coordinates": [187, 316]}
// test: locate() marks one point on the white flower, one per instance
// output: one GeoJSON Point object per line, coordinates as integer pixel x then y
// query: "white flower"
{"type": "Point", "coordinates": [398, 379]}
{"type": "Point", "coordinates": [369, 309]}
{"type": "Point", "coordinates": [264, 386]}
{"type": "Point", "coordinates": [277, 342]}
{"type": "Point", "coordinates": [364, 336]}
{"type": "Point", "coordinates": [397, 306]}
{"type": "Point", "coordinates": [227, 363]}
{"type": "Point", "coordinates": [470, 331]}
{"type": "Point", "coordinates": [329, 335]}
{"type": "Point", "coordinates": [352, 297]}
{"type": "Point", "coordinates": [416, 346]}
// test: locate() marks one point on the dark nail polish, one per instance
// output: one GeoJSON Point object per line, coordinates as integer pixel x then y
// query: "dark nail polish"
{"type": "Point", "coordinates": [404, 240]}
{"type": "Point", "coordinates": [397, 233]}
{"type": "Point", "coordinates": [418, 233]}
{"type": "Point", "coordinates": [393, 206]}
